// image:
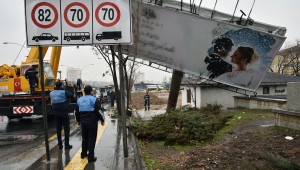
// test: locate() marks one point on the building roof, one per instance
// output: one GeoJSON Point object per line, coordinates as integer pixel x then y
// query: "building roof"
{"type": "Point", "coordinates": [269, 79]}
{"type": "Point", "coordinates": [275, 78]}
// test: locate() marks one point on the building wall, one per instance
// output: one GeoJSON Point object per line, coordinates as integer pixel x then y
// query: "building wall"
{"type": "Point", "coordinates": [293, 102]}
{"type": "Point", "coordinates": [212, 95]}
{"type": "Point", "coordinates": [274, 90]}
{"type": "Point", "coordinates": [259, 103]}
{"type": "Point", "coordinates": [184, 96]}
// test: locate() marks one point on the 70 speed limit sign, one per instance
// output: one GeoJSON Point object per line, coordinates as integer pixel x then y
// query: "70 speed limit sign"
{"type": "Point", "coordinates": [112, 21]}
{"type": "Point", "coordinates": [71, 22]}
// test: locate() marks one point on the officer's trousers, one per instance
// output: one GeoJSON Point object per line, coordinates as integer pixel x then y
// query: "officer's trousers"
{"type": "Point", "coordinates": [89, 136]}
{"type": "Point", "coordinates": [62, 120]}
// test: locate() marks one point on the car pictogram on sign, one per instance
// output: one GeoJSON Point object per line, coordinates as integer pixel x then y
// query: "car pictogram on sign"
{"type": "Point", "coordinates": [44, 37]}
{"type": "Point", "coordinates": [76, 36]}
{"type": "Point", "coordinates": [109, 35]}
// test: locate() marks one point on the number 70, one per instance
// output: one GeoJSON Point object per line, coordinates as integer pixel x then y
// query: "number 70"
{"type": "Point", "coordinates": [110, 12]}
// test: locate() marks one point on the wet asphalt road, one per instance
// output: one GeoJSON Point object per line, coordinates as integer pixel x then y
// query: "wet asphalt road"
{"type": "Point", "coordinates": [20, 135]}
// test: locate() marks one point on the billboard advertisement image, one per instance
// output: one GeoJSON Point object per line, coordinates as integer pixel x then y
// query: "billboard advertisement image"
{"type": "Point", "coordinates": [214, 49]}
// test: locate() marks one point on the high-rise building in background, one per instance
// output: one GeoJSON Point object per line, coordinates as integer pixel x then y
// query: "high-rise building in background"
{"type": "Point", "coordinates": [73, 74]}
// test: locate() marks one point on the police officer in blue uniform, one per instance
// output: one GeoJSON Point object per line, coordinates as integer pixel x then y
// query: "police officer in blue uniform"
{"type": "Point", "coordinates": [59, 98]}
{"type": "Point", "coordinates": [87, 115]}
{"type": "Point", "coordinates": [31, 75]}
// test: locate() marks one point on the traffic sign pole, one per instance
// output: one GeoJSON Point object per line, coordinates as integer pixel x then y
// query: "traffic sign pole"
{"type": "Point", "coordinates": [44, 102]}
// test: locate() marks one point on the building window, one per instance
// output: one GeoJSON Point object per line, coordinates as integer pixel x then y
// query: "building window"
{"type": "Point", "coordinates": [266, 90]}
{"type": "Point", "coordinates": [188, 96]}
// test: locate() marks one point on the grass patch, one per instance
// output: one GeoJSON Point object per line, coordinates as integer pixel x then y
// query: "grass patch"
{"type": "Point", "coordinates": [239, 117]}
{"type": "Point", "coordinates": [148, 159]}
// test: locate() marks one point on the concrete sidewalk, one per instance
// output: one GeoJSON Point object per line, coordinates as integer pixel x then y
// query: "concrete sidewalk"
{"type": "Point", "coordinates": [108, 150]}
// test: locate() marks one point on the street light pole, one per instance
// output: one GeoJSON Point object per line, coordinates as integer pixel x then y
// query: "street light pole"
{"type": "Point", "coordinates": [19, 50]}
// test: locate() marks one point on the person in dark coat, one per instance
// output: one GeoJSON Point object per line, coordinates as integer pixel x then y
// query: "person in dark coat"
{"type": "Point", "coordinates": [31, 75]}
{"type": "Point", "coordinates": [216, 65]}
{"type": "Point", "coordinates": [60, 98]}
{"type": "Point", "coordinates": [112, 98]}
{"type": "Point", "coordinates": [87, 115]}
{"type": "Point", "coordinates": [147, 101]}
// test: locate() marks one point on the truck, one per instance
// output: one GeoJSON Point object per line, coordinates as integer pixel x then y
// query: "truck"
{"type": "Point", "coordinates": [109, 35]}
{"type": "Point", "coordinates": [16, 100]}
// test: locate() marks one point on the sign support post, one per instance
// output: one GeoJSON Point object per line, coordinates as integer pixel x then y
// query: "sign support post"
{"type": "Point", "coordinates": [44, 102]}
{"type": "Point", "coordinates": [123, 112]}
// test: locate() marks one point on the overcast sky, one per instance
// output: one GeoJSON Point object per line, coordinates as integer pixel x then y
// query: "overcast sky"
{"type": "Point", "coordinates": [283, 13]}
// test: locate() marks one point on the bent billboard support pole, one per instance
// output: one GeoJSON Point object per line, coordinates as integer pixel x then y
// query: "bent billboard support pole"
{"type": "Point", "coordinates": [226, 52]}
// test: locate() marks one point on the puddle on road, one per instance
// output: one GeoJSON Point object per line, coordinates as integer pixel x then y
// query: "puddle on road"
{"type": "Point", "coordinates": [16, 139]}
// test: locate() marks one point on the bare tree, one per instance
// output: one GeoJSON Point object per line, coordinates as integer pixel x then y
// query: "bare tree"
{"type": "Point", "coordinates": [130, 70]}
{"type": "Point", "coordinates": [109, 55]}
{"type": "Point", "coordinates": [131, 75]}
{"type": "Point", "coordinates": [287, 60]}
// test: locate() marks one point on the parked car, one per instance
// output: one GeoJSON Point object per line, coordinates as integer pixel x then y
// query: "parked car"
{"type": "Point", "coordinates": [44, 36]}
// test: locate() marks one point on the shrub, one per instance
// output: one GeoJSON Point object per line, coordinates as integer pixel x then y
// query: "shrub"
{"type": "Point", "coordinates": [183, 126]}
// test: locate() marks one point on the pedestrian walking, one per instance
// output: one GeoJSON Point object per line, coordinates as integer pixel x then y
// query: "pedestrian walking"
{"type": "Point", "coordinates": [31, 75]}
{"type": "Point", "coordinates": [87, 116]}
{"type": "Point", "coordinates": [147, 101]}
{"type": "Point", "coordinates": [112, 98]}
{"type": "Point", "coordinates": [60, 98]}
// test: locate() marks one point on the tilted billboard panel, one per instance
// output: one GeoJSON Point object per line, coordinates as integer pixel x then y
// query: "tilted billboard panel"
{"type": "Point", "coordinates": [227, 53]}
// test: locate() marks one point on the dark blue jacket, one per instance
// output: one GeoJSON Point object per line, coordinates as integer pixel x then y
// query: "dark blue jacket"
{"type": "Point", "coordinates": [59, 100]}
{"type": "Point", "coordinates": [87, 110]}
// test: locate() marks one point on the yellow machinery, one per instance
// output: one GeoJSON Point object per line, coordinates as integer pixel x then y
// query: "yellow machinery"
{"type": "Point", "coordinates": [15, 98]}
{"type": "Point", "coordinates": [12, 78]}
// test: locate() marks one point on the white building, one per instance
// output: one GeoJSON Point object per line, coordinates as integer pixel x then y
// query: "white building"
{"type": "Point", "coordinates": [73, 74]}
{"type": "Point", "coordinates": [273, 88]}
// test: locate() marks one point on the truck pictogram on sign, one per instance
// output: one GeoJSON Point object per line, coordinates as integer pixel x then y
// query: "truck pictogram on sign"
{"type": "Point", "coordinates": [109, 35]}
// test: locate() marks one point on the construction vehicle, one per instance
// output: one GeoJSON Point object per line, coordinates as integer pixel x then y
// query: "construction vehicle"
{"type": "Point", "coordinates": [16, 99]}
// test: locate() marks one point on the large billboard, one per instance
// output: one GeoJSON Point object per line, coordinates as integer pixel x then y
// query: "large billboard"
{"type": "Point", "coordinates": [218, 50]}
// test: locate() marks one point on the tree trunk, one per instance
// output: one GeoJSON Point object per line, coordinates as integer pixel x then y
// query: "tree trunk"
{"type": "Point", "coordinates": [127, 86]}
{"type": "Point", "coordinates": [174, 89]}
{"type": "Point", "coordinates": [115, 79]}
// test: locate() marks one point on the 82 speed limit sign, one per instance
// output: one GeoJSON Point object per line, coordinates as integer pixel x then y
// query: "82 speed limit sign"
{"type": "Point", "coordinates": [44, 15]}
{"type": "Point", "coordinates": [43, 22]}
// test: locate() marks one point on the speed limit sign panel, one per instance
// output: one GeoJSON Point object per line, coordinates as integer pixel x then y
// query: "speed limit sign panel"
{"type": "Point", "coordinates": [42, 22]}
{"type": "Point", "coordinates": [76, 22]}
{"type": "Point", "coordinates": [111, 22]}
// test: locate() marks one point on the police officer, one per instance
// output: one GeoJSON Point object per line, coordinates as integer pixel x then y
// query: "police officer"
{"type": "Point", "coordinates": [147, 101]}
{"type": "Point", "coordinates": [87, 115]}
{"type": "Point", "coordinates": [31, 75]}
{"type": "Point", "coordinates": [59, 98]}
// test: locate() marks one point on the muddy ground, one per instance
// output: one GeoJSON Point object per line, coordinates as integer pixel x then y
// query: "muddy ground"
{"type": "Point", "coordinates": [249, 146]}
{"type": "Point", "coordinates": [157, 100]}
{"type": "Point", "coordinates": [254, 145]}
